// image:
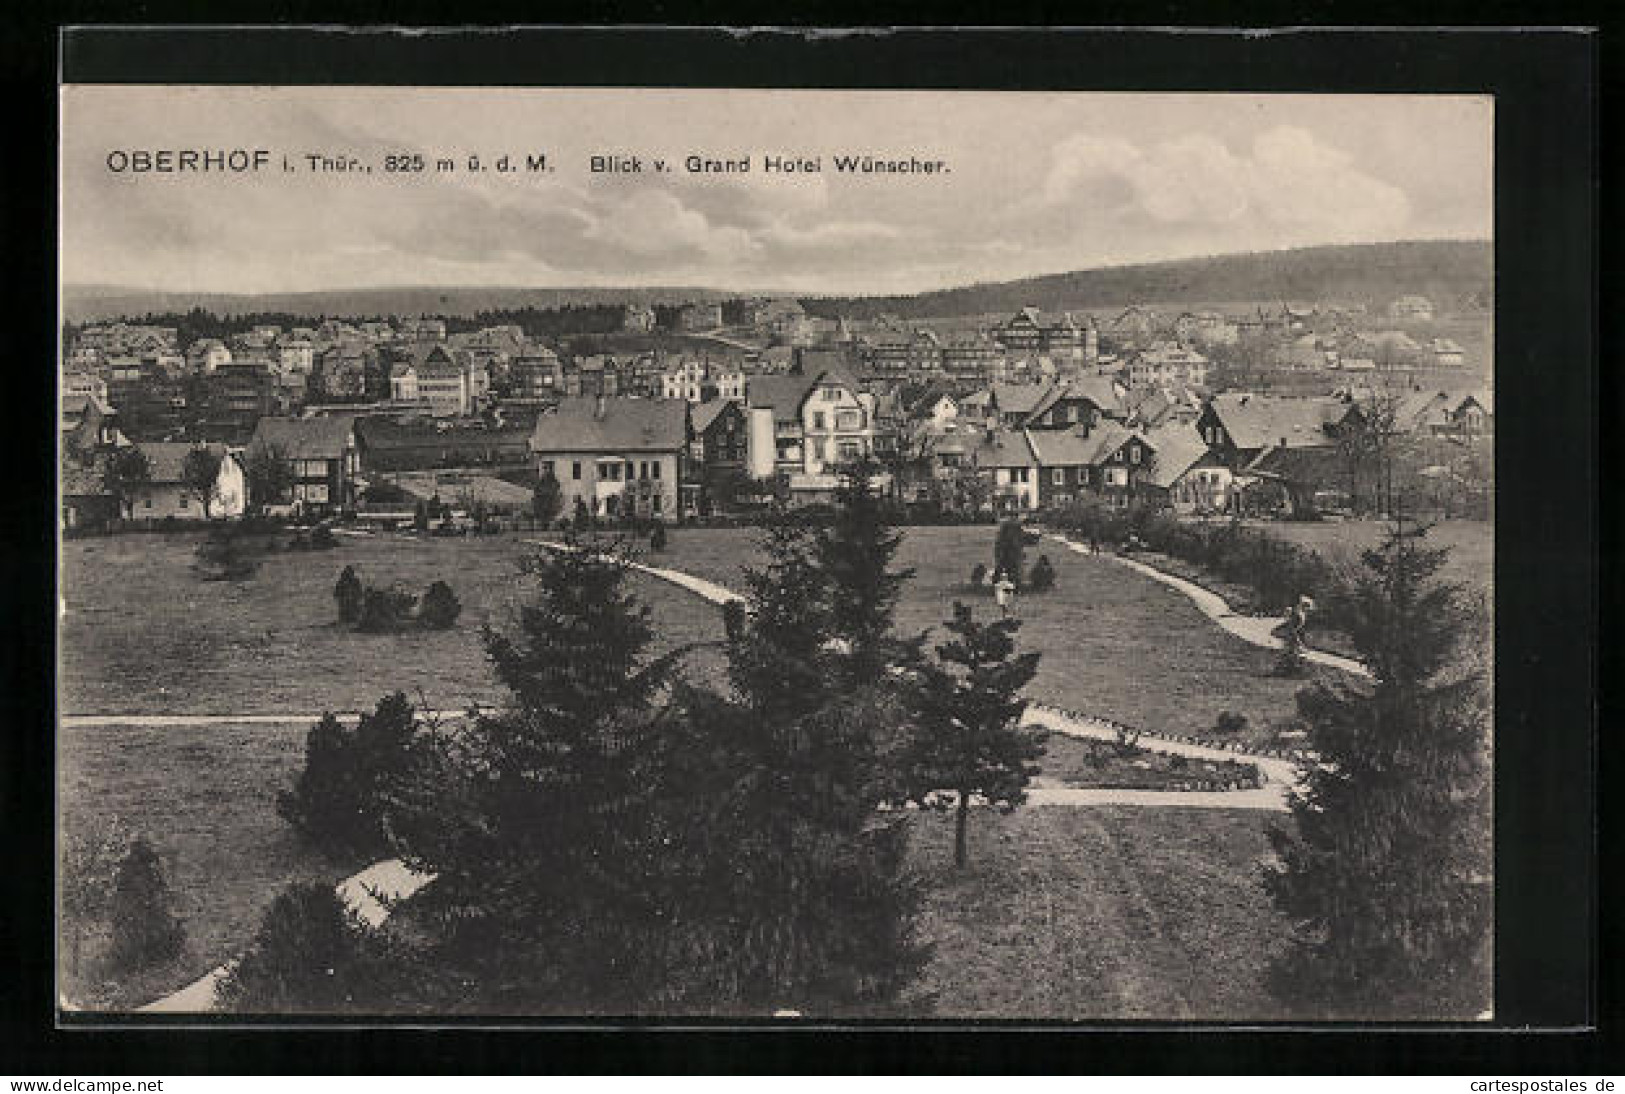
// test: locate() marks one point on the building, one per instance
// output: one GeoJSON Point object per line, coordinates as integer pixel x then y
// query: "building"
{"type": "Point", "coordinates": [700, 317]}
{"type": "Point", "coordinates": [1167, 363]}
{"type": "Point", "coordinates": [1239, 426]}
{"type": "Point", "coordinates": [1082, 401]}
{"type": "Point", "coordinates": [207, 354]}
{"type": "Point", "coordinates": [1447, 353]}
{"type": "Point", "coordinates": [1005, 459]}
{"type": "Point", "coordinates": [719, 449]}
{"type": "Point", "coordinates": [167, 494]}
{"type": "Point", "coordinates": [971, 361]}
{"type": "Point", "coordinates": [803, 428]}
{"type": "Point", "coordinates": [619, 457]}
{"type": "Point", "coordinates": [1184, 474]}
{"type": "Point", "coordinates": [1412, 308]}
{"type": "Point", "coordinates": [323, 455]}
{"type": "Point", "coordinates": [432, 375]}
{"type": "Point", "coordinates": [346, 372]}
{"type": "Point", "coordinates": [535, 373]}
{"type": "Point", "coordinates": [390, 445]}
{"type": "Point", "coordinates": [638, 318]}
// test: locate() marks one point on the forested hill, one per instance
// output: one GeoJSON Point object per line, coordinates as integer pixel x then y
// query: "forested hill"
{"type": "Point", "coordinates": [1451, 273]}
{"type": "Point", "coordinates": [95, 303]}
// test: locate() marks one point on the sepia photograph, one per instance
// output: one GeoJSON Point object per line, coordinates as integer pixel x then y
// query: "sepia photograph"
{"type": "Point", "coordinates": [768, 554]}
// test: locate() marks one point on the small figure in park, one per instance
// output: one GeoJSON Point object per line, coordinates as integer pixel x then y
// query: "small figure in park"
{"type": "Point", "coordinates": [1003, 590]}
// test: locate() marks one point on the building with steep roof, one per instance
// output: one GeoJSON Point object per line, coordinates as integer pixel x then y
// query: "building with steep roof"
{"type": "Point", "coordinates": [617, 456]}
{"type": "Point", "coordinates": [323, 456]}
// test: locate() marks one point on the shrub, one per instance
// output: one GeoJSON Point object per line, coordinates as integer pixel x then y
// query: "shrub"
{"type": "Point", "coordinates": [1042, 577]}
{"type": "Point", "coordinates": [440, 607]}
{"type": "Point", "coordinates": [145, 930]}
{"type": "Point", "coordinates": [311, 955]}
{"type": "Point", "coordinates": [978, 575]}
{"type": "Point", "coordinates": [1008, 549]}
{"type": "Point", "coordinates": [337, 801]}
{"type": "Point", "coordinates": [349, 594]}
{"type": "Point", "coordinates": [1230, 724]}
{"type": "Point", "coordinates": [384, 610]}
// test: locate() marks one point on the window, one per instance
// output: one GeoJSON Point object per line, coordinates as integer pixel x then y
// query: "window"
{"type": "Point", "coordinates": [1134, 454]}
{"type": "Point", "coordinates": [575, 470]}
{"type": "Point", "coordinates": [146, 503]}
{"type": "Point", "coordinates": [818, 419]}
{"type": "Point", "coordinates": [1021, 474]}
{"type": "Point", "coordinates": [1058, 476]}
{"type": "Point", "coordinates": [654, 469]}
{"type": "Point", "coordinates": [186, 501]}
{"type": "Point", "coordinates": [655, 502]}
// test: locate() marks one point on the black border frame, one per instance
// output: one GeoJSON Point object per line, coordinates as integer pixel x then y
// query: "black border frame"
{"type": "Point", "coordinates": [1547, 611]}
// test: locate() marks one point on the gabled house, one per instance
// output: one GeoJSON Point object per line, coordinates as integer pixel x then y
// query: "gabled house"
{"type": "Point", "coordinates": [1239, 426]}
{"type": "Point", "coordinates": [1082, 401]}
{"type": "Point", "coordinates": [620, 457]}
{"type": "Point", "coordinates": [1012, 404]}
{"type": "Point", "coordinates": [1004, 457]}
{"type": "Point", "coordinates": [432, 375]}
{"type": "Point", "coordinates": [166, 492]}
{"type": "Point", "coordinates": [718, 449]}
{"type": "Point", "coordinates": [323, 456]}
{"type": "Point", "coordinates": [1184, 473]}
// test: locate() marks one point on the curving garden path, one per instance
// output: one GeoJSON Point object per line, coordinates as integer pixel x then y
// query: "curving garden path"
{"type": "Point", "coordinates": [1259, 630]}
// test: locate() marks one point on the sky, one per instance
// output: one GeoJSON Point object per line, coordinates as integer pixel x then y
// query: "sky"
{"type": "Point", "coordinates": [1037, 182]}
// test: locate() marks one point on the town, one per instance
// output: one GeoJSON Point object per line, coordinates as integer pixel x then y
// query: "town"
{"type": "Point", "coordinates": [681, 413]}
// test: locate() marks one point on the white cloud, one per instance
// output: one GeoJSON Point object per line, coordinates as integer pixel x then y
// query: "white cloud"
{"type": "Point", "coordinates": [1288, 180]}
{"type": "Point", "coordinates": [651, 223]}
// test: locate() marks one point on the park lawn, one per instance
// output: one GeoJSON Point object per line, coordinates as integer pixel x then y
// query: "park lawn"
{"type": "Point", "coordinates": [141, 633]}
{"type": "Point", "coordinates": [205, 799]}
{"type": "Point", "coordinates": [1116, 644]}
{"type": "Point", "coordinates": [1109, 912]}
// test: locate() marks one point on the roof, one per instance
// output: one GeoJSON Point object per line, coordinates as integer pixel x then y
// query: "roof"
{"type": "Point", "coordinates": [1178, 448]}
{"type": "Point", "coordinates": [166, 460]}
{"type": "Point", "coordinates": [1255, 421]}
{"type": "Point", "coordinates": [1004, 448]}
{"type": "Point", "coordinates": [784, 394]}
{"type": "Point", "coordinates": [321, 438]}
{"type": "Point", "coordinates": [705, 414]}
{"type": "Point", "coordinates": [591, 424]}
{"type": "Point", "coordinates": [1018, 398]}
{"type": "Point", "coordinates": [1097, 389]}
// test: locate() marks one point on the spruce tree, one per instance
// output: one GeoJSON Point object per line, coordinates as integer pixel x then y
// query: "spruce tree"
{"type": "Point", "coordinates": [1008, 550]}
{"type": "Point", "coordinates": [779, 660]}
{"type": "Point", "coordinates": [349, 594]}
{"type": "Point", "coordinates": [535, 819]}
{"type": "Point", "coordinates": [1387, 875]}
{"type": "Point", "coordinates": [967, 710]}
{"type": "Point", "coordinates": [855, 554]}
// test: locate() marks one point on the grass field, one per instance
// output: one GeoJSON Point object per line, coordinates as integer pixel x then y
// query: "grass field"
{"type": "Point", "coordinates": [142, 634]}
{"type": "Point", "coordinates": [1062, 912]}
{"type": "Point", "coordinates": [1115, 644]}
{"type": "Point", "coordinates": [1099, 913]}
{"type": "Point", "coordinates": [1070, 913]}
{"type": "Point", "coordinates": [206, 800]}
